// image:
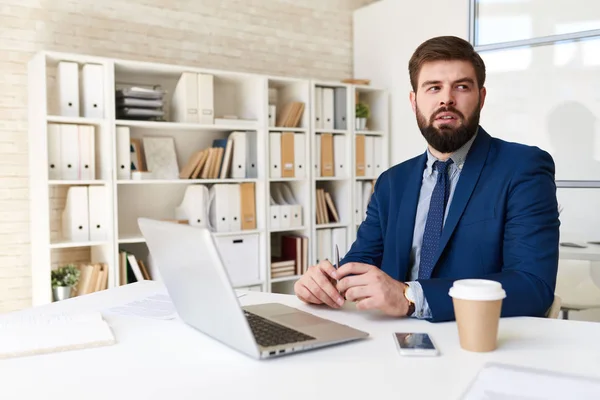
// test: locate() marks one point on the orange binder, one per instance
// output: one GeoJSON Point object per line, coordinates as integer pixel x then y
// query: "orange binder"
{"type": "Point", "coordinates": [327, 154]}
{"type": "Point", "coordinates": [248, 205]}
{"type": "Point", "coordinates": [287, 155]}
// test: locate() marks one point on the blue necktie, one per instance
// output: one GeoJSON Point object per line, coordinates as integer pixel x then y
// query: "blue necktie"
{"type": "Point", "coordinates": [435, 219]}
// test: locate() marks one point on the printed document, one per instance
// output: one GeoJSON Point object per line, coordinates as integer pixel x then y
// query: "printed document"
{"type": "Point", "coordinates": [503, 382]}
{"type": "Point", "coordinates": [155, 306]}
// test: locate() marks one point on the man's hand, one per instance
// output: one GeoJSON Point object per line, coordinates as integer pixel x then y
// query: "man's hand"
{"type": "Point", "coordinates": [372, 289]}
{"type": "Point", "coordinates": [317, 286]}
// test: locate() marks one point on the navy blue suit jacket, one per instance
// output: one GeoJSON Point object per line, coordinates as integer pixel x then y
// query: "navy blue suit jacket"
{"type": "Point", "coordinates": [502, 225]}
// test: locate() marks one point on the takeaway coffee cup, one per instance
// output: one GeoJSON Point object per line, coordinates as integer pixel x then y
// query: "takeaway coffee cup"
{"type": "Point", "coordinates": [477, 306]}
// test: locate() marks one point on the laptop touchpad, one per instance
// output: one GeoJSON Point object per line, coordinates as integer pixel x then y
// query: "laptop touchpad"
{"type": "Point", "coordinates": [298, 319]}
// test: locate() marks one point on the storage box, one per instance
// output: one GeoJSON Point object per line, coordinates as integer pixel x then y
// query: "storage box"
{"type": "Point", "coordinates": [240, 255]}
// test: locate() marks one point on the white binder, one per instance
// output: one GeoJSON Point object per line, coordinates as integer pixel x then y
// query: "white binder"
{"type": "Point", "coordinates": [328, 107]}
{"type": "Point", "coordinates": [194, 206]}
{"type": "Point", "coordinates": [87, 152]}
{"type": "Point", "coordinates": [92, 91]}
{"type": "Point", "coordinates": [285, 209]}
{"type": "Point", "coordinates": [358, 206]}
{"type": "Point", "coordinates": [69, 151]}
{"type": "Point", "coordinates": [75, 216]}
{"type": "Point", "coordinates": [274, 214]}
{"type": "Point", "coordinates": [338, 237]}
{"type": "Point", "coordinates": [339, 156]}
{"type": "Point", "coordinates": [319, 108]}
{"type": "Point", "coordinates": [67, 89]}
{"type": "Point", "coordinates": [98, 215]}
{"type": "Point", "coordinates": [296, 208]}
{"type": "Point", "coordinates": [184, 104]}
{"type": "Point", "coordinates": [123, 144]}
{"type": "Point", "coordinates": [272, 114]}
{"type": "Point", "coordinates": [54, 146]}
{"type": "Point", "coordinates": [300, 155]}
{"type": "Point", "coordinates": [219, 208]}
{"type": "Point", "coordinates": [275, 154]}
{"type": "Point", "coordinates": [251, 155]}
{"type": "Point", "coordinates": [377, 160]}
{"type": "Point", "coordinates": [206, 108]}
{"type": "Point", "coordinates": [340, 120]}
{"type": "Point", "coordinates": [369, 153]}
{"type": "Point", "coordinates": [324, 245]}
{"type": "Point", "coordinates": [234, 209]}
{"type": "Point", "coordinates": [238, 162]}
{"type": "Point", "coordinates": [317, 162]}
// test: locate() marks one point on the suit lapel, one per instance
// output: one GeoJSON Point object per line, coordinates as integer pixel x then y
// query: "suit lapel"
{"type": "Point", "coordinates": [406, 215]}
{"type": "Point", "coordinates": [465, 186]}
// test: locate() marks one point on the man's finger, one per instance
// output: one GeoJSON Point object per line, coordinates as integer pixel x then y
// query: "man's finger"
{"type": "Point", "coordinates": [357, 293]}
{"type": "Point", "coordinates": [352, 281]}
{"type": "Point", "coordinates": [319, 293]}
{"type": "Point", "coordinates": [328, 287]}
{"type": "Point", "coordinates": [353, 269]}
{"type": "Point", "coordinates": [328, 268]}
{"type": "Point", "coordinates": [304, 294]}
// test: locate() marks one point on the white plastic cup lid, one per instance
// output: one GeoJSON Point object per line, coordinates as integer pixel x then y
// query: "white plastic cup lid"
{"type": "Point", "coordinates": [477, 289]}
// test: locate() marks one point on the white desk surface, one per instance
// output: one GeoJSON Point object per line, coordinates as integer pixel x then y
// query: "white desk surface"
{"type": "Point", "coordinates": [156, 359]}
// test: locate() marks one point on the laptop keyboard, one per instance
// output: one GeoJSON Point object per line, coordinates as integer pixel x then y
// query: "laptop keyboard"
{"type": "Point", "coordinates": [269, 333]}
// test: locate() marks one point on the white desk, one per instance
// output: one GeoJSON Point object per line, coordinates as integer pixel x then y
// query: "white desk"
{"type": "Point", "coordinates": [169, 360]}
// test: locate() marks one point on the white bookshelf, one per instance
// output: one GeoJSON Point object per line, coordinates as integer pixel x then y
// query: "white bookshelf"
{"type": "Point", "coordinates": [377, 128]}
{"type": "Point", "coordinates": [243, 94]}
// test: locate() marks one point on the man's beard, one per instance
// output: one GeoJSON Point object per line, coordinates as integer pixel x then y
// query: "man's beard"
{"type": "Point", "coordinates": [447, 139]}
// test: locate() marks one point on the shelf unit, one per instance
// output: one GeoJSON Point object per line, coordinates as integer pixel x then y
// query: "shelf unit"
{"type": "Point", "coordinates": [245, 94]}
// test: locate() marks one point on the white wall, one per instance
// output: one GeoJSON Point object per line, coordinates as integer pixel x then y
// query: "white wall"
{"type": "Point", "coordinates": [311, 38]}
{"type": "Point", "coordinates": [386, 33]}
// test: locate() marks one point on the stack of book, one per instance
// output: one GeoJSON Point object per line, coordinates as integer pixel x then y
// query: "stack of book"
{"type": "Point", "coordinates": [291, 115]}
{"type": "Point", "coordinates": [289, 256]}
{"type": "Point", "coordinates": [93, 278]}
{"type": "Point", "coordinates": [282, 268]}
{"type": "Point", "coordinates": [326, 210]}
{"type": "Point", "coordinates": [140, 103]}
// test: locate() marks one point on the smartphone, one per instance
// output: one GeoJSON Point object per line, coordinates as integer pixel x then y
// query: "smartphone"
{"type": "Point", "coordinates": [415, 344]}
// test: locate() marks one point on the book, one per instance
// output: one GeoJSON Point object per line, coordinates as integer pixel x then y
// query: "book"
{"type": "Point", "coordinates": [26, 335]}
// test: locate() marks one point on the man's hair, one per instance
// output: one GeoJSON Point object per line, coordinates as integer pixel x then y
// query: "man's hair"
{"type": "Point", "coordinates": [445, 48]}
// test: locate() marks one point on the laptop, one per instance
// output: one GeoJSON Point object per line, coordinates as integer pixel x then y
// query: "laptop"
{"type": "Point", "coordinates": [196, 279]}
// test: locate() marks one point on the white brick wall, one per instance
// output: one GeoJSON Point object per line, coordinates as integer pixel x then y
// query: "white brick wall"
{"type": "Point", "coordinates": [307, 38]}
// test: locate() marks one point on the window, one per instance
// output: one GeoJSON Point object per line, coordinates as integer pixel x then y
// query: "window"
{"type": "Point", "coordinates": [499, 21]}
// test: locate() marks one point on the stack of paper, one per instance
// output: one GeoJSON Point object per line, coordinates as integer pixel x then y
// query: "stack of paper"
{"type": "Point", "coordinates": [22, 335]}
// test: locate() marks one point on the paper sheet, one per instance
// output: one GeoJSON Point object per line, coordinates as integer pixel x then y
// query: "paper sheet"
{"type": "Point", "coordinates": [155, 306]}
{"type": "Point", "coordinates": [503, 382]}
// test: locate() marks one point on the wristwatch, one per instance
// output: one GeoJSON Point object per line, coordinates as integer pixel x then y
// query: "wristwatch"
{"type": "Point", "coordinates": [410, 297]}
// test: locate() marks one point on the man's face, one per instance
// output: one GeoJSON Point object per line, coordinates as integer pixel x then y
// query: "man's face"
{"type": "Point", "coordinates": [447, 104]}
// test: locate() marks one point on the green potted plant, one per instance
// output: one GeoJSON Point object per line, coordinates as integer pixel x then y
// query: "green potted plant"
{"type": "Point", "coordinates": [63, 280]}
{"type": "Point", "coordinates": [362, 113]}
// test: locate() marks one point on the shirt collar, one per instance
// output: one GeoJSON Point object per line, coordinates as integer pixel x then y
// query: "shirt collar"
{"type": "Point", "coordinates": [458, 157]}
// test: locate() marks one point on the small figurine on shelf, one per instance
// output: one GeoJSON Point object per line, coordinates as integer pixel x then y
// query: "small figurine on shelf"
{"type": "Point", "coordinates": [63, 280]}
{"type": "Point", "coordinates": [362, 113]}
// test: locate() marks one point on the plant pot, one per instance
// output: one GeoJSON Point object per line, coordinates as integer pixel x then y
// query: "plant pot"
{"type": "Point", "coordinates": [361, 124]}
{"type": "Point", "coordinates": [61, 292]}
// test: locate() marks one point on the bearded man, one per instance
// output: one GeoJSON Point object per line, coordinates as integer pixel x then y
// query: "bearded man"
{"type": "Point", "coordinates": [470, 206]}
